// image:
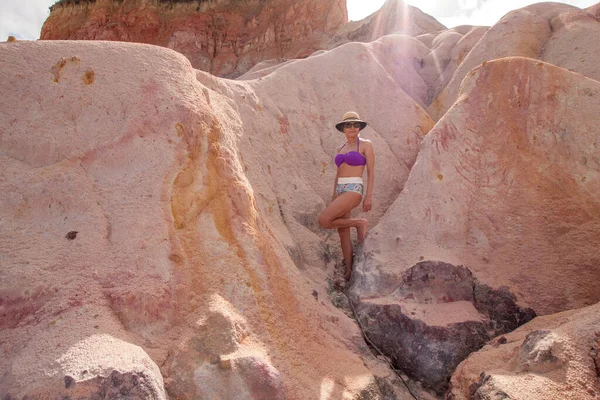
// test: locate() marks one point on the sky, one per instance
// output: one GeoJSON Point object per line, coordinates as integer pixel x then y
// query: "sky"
{"type": "Point", "coordinates": [24, 18]}
{"type": "Point", "coordinates": [453, 13]}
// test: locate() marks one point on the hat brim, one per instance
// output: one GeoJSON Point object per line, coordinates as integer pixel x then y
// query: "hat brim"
{"type": "Point", "coordinates": [340, 125]}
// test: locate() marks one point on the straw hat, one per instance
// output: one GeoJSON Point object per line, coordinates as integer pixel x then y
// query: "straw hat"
{"type": "Point", "coordinates": [350, 116]}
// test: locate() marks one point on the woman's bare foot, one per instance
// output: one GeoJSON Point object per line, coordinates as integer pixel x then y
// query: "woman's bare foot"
{"type": "Point", "coordinates": [347, 274]}
{"type": "Point", "coordinates": [361, 230]}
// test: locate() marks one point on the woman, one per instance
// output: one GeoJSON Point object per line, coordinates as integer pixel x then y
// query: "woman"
{"type": "Point", "coordinates": [348, 188]}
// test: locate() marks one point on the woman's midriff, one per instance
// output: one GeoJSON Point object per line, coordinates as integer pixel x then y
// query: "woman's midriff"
{"type": "Point", "coordinates": [346, 170]}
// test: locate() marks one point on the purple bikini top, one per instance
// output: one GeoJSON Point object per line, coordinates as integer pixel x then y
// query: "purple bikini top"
{"type": "Point", "coordinates": [353, 158]}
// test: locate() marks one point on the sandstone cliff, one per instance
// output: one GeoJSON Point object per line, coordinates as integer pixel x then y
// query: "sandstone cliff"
{"type": "Point", "coordinates": [228, 38]}
{"type": "Point", "coordinates": [225, 38]}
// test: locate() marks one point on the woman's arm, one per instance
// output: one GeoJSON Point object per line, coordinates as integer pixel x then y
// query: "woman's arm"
{"type": "Point", "coordinates": [370, 156]}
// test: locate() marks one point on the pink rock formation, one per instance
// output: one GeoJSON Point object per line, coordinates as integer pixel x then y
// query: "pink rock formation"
{"type": "Point", "coordinates": [171, 210]}
{"type": "Point", "coordinates": [448, 50]}
{"type": "Point", "coordinates": [556, 33]}
{"type": "Point", "coordinates": [594, 10]}
{"type": "Point", "coordinates": [170, 214]}
{"type": "Point", "coordinates": [224, 38]}
{"type": "Point", "coordinates": [504, 184]}
{"type": "Point", "coordinates": [553, 357]}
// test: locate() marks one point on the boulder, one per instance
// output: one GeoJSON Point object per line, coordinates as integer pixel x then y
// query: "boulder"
{"type": "Point", "coordinates": [549, 357]}
{"type": "Point", "coordinates": [97, 367]}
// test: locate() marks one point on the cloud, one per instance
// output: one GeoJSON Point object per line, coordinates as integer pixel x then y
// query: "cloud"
{"type": "Point", "coordinates": [23, 18]}
{"type": "Point", "coordinates": [482, 12]}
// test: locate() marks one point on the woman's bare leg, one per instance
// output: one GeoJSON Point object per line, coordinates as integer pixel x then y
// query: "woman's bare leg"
{"type": "Point", "coordinates": [361, 230]}
{"type": "Point", "coordinates": [337, 216]}
{"type": "Point", "coordinates": [346, 244]}
{"type": "Point", "coordinates": [333, 216]}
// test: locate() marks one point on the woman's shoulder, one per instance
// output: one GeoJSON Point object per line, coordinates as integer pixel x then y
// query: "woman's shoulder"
{"type": "Point", "coordinates": [365, 141]}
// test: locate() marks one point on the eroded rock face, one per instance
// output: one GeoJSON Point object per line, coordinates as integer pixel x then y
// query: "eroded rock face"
{"type": "Point", "coordinates": [437, 316]}
{"type": "Point", "coordinates": [503, 183]}
{"type": "Point", "coordinates": [594, 10]}
{"type": "Point", "coordinates": [394, 16]}
{"type": "Point", "coordinates": [595, 354]}
{"type": "Point", "coordinates": [224, 38]}
{"type": "Point", "coordinates": [544, 31]}
{"type": "Point", "coordinates": [222, 359]}
{"type": "Point", "coordinates": [540, 360]}
{"type": "Point", "coordinates": [147, 200]}
{"type": "Point", "coordinates": [448, 50]}
{"type": "Point", "coordinates": [158, 204]}
{"type": "Point", "coordinates": [295, 178]}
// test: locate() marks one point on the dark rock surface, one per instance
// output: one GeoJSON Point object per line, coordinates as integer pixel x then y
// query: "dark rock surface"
{"type": "Point", "coordinates": [485, 390]}
{"type": "Point", "coordinates": [429, 348]}
{"type": "Point", "coordinates": [537, 353]}
{"type": "Point", "coordinates": [128, 385]}
{"type": "Point", "coordinates": [595, 354]}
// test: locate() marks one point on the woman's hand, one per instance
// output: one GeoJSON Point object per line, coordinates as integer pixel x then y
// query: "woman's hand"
{"type": "Point", "coordinates": [367, 204]}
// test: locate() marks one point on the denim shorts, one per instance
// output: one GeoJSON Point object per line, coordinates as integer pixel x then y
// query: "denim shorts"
{"type": "Point", "coordinates": [350, 184]}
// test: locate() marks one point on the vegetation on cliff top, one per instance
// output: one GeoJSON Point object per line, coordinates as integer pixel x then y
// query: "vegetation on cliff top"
{"type": "Point", "coordinates": [61, 3]}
